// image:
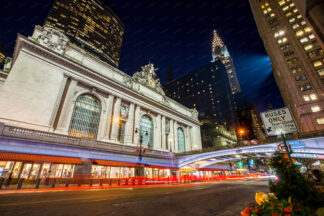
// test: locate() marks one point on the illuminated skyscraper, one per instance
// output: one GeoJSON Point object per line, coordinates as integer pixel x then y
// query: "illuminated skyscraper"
{"type": "Point", "coordinates": [90, 24]}
{"type": "Point", "coordinates": [219, 51]}
{"type": "Point", "coordinates": [297, 58]}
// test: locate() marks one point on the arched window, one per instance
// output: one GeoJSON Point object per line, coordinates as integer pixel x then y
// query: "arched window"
{"type": "Point", "coordinates": [181, 140]}
{"type": "Point", "coordinates": [86, 117]}
{"type": "Point", "coordinates": [146, 127]}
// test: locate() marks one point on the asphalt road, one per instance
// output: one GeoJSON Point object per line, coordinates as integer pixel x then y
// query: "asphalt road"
{"type": "Point", "coordinates": [217, 199]}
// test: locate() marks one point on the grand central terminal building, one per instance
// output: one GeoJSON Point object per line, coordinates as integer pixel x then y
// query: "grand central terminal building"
{"type": "Point", "coordinates": [64, 112]}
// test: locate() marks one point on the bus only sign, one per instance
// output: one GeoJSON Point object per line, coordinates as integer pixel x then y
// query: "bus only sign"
{"type": "Point", "coordinates": [278, 121]}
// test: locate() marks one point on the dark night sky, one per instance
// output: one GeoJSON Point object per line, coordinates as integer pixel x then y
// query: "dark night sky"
{"type": "Point", "coordinates": [171, 33]}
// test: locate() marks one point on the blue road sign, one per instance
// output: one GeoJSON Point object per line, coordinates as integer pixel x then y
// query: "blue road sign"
{"type": "Point", "coordinates": [296, 144]}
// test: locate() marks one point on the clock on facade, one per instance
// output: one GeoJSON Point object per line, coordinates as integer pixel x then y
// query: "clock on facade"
{"type": "Point", "coordinates": [152, 83]}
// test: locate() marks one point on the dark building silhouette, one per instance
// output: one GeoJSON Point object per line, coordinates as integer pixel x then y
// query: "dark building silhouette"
{"type": "Point", "coordinates": [90, 24]}
{"type": "Point", "coordinates": [208, 90]}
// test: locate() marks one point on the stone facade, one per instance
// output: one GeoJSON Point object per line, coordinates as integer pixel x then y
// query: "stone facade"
{"type": "Point", "coordinates": [48, 74]}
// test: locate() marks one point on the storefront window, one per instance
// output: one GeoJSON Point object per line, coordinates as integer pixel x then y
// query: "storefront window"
{"type": "Point", "coordinates": [26, 169]}
{"type": "Point", "coordinates": [148, 172]}
{"type": "Point", "coordinates": [45, 170]}
{"type": "Point", "coordinates": [115, 172]}
{"type": "Point", "coordinates": [34, 172]}
{"type": "Point", "coordinates": [6, 168]}
{"type": "Point", "coordinates": [16, 170]}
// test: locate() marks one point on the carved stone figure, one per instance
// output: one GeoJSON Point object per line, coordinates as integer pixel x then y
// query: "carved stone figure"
{"type": "Point", "coordinates": [194, 113]}
{"type": "Point", "coordinates": [148, 77]}
{"type": "Point", "coordinates": [53, 39]}
{"type": "Point", "coordinates": [128, 81]}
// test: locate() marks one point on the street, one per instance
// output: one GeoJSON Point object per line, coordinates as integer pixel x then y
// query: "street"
{"type": "Point", "coordinates": [218, 199]}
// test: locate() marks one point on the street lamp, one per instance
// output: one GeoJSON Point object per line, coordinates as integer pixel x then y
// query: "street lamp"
{"type": "Point", "coordinates": [241, 132]}
{"type": "Point", "coordinates": [141, 142]}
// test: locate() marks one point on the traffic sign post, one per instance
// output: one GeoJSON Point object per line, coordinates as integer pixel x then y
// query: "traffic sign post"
{"type": "Point", "coordinates": [279, 122]}
{"type": "Point", "coordinates": [287, 148]}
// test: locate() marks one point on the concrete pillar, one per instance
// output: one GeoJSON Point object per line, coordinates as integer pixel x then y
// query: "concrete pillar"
{"type": "Point", "coordinates": [129, 130]}
{"type": "Point", "coordinates": [163, 135]}
{"type": "Point", "coordinates": [115, 124]}
{"type": "Point", "coordinates": [67, 109]}
{"type": "Point", "coordinates": [157, 139]}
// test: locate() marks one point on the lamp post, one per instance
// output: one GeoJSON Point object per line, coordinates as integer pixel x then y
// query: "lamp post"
{"type": "Point", "coordinates": [141, 142]}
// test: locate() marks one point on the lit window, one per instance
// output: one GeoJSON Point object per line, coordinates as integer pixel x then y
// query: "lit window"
{"type": "Point", "coordinates": [299, 33]}
{"type": "Point", "coordinates": [282, 2]}
{"type": "Point", "coordinates": [301, 88]}
{"type": "Point", "coordinates": [304, 40]}
{"type": "Point", "coordinates": [262, 6]}
{"type": "Point", "coordinates": [317, 63]}
{"type": "Point", "coordinates": [306, 98]}
{"type": "Point", "coordinates": [85, 117]}
{"type": "Point", "coordinates": [285, 8]}
{"type": "Point", "coordinates": [292, 61]}
{"type": "Point", "coordinates": [312, 54]}
{"type": "Point", "coordinates": [308, 46]}
{"type": "Point", "coordinates": [313, 96]}
{"type": "Point", "coordinates": [288, 14]}
{"type": "Point", "coordinates": [299, 16]}
{"type": "Point", "coordinates": [292, 20]}
{"type": "Point", "coordinates": [303, 22]}
{"type": "Point", "coordinates": [307, 29]}
{"type": "Point", "coordinates": [292, 5]}
{"type": "Point", "coordinates": [295, 26]}
{"type": "Point", "coordinates": [320, 71]}
{"type": "Point", "coordinates": [295, 10]}
{"type": "Point", "coordinates": [269, 9]}
{"type": "Point", "coordinates": [284, 39]}
{"type": "Point", "coordinates": [276, 34]}
{"type": "Point", "coordinates": [308, 86]}
{"type": "Point", "coordinates": [266, 4]}
{"type": "Point", "coordinates": [272, 15]}
{"type": "Point", "coordinates": [320, 121]}
{"type": "Point", "coordinates": [265, 11]}
{"type": "Point", "coordinates": [315, 108]}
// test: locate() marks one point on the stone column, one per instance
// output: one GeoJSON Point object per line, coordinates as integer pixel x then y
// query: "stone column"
{"type": "Point", "coordinates": [171, 137]}
{"type": "Point", "coordinates": [129, 125]}
{"type": "Point", "coordinates": [157, 139]}
{"type": "Point", "coordinates": [188, 139]}
{"type": "Point", "coordinates": [115, 124]}
{"type": "Point", "coordinates": [176, 147]}
{"type": "Point", "coordinates": [137, 124]}
{"type": "Point", "coordinates": [67, 109]}
{"type": "Point", "coordinates": [60, 97]}
{"type": "Point", "coordinates": [106, 121]}
{"type": "Point", "coordinates": [163, 136]}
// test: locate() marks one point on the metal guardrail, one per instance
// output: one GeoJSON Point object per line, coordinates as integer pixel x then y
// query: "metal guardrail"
{"type": "Point", "coordinates": [60, 139]}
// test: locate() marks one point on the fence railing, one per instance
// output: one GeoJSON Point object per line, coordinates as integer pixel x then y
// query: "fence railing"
{"type": "Point", "coordinates": [60, 139]}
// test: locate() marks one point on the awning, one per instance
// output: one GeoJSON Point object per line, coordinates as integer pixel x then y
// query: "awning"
{"type": "Point", "coordinates": [116, 163]}
{"type": "Point", "coordinates": [7, 156]}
